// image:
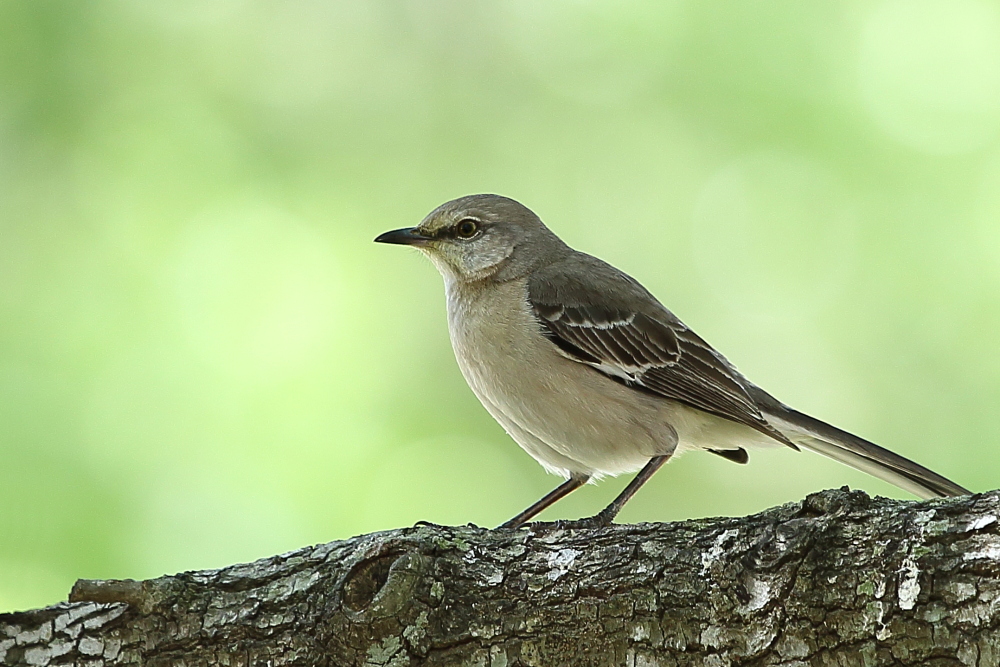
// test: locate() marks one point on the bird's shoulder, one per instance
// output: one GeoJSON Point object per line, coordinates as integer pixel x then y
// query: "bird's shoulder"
{"type": "Point", "coordinates": [586, 305]}
{"type": "Point", "coordinates": [579, 280]}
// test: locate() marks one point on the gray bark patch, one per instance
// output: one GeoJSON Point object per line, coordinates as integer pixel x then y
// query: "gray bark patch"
{"type": "Point", "coordinates": [837, 579]}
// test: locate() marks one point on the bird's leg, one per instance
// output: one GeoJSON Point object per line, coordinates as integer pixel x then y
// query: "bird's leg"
{"type": "Point", "coordinates": [606, 516]}
{"type": "Point", "coordinates": [561, 491]}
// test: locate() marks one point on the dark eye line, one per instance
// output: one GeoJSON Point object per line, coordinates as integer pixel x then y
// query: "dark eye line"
{"type": "Point", "coordinates": [452, 231]}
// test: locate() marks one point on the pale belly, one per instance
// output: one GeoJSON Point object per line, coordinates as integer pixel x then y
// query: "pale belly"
{"type": "Point", "coordinates": [568, 416]}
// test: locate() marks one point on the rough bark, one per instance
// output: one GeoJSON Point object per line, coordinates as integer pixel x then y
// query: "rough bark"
{"type": "Point", "coordinates": [837, 579]}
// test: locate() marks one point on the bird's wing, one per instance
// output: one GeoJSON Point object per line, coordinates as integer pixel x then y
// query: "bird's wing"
{"type": "Point", "coordinates": [601, 317]}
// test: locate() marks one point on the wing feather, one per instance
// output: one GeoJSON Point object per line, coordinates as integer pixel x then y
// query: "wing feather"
{"type": "Point", "coordinates": [635, 339]}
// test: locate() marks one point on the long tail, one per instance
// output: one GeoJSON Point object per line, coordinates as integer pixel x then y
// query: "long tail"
{"type": "Point", "coordinates": [822, 438]}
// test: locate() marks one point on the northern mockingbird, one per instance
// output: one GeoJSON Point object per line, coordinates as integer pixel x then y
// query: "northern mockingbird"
{"type": "Point", "coordinates": [591, 375]}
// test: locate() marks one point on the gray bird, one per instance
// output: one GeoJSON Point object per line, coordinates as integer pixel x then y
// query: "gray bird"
{"type": "Point", "coordinates": [591, 375]}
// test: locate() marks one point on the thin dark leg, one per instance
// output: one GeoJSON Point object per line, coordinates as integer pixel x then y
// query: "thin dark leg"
{"type": "Point", "coordinates": [561, 491]}
{"type": "Point", "coordinates": [608, 514]}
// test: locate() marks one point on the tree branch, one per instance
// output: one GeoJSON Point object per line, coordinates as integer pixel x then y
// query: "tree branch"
{"type": "Point", "coordinates": [837, 579]}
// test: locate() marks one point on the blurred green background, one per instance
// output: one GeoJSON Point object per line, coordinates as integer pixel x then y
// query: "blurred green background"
{"type": "Point", "coordinates": [204, 359]}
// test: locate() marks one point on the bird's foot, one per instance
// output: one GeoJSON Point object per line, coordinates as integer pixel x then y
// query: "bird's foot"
{"type": "Point", "coordinates": [599, 520]}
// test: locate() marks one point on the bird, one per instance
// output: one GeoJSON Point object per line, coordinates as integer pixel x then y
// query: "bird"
{"type": "Point", "coordinates": [591, 375]}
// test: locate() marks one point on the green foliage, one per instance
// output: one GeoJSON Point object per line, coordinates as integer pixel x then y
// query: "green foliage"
{"type": "Point", "coordinates": [204, 359]}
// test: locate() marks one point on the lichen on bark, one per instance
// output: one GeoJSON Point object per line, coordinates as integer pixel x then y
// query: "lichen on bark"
{"type": "Point", "coordinates": [837, 579]}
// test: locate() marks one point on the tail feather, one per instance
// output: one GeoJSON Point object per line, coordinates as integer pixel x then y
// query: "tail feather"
{"type": "Point", "coordinates": [830, 441]}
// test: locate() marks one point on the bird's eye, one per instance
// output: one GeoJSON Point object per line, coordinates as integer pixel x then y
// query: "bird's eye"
{"type": "Point", "coordinates": [467, 228]}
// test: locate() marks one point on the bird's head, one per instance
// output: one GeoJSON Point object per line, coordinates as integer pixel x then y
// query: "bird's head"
{"type": "Point", "coordinates": [481, 237]}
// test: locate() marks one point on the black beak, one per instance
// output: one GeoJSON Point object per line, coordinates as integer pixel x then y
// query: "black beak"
{"type": "Point", "coordinates": [405, 236]}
